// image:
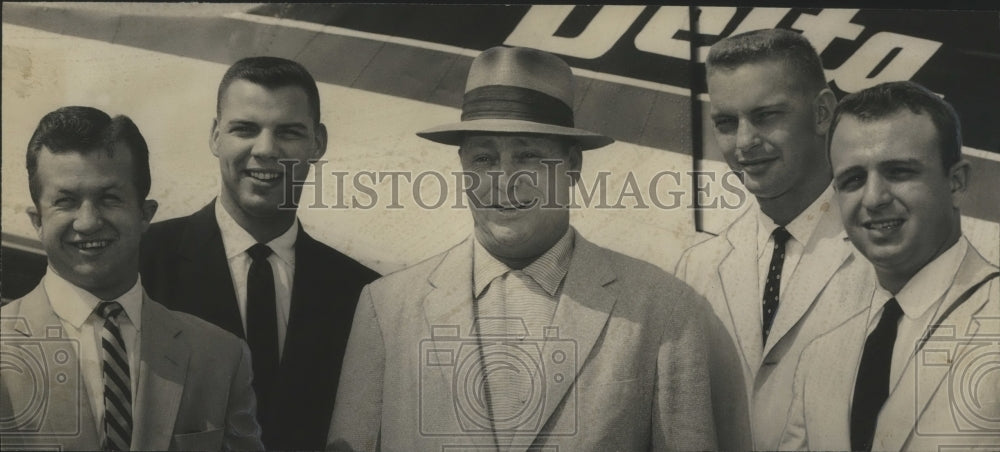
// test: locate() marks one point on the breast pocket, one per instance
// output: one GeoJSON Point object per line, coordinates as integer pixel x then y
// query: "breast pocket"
{"type": "Point", "coordinates": [206, 440]}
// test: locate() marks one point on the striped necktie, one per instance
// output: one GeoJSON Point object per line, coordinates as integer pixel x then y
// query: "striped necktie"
{"type": "Point", "coordinates": [117, 382]}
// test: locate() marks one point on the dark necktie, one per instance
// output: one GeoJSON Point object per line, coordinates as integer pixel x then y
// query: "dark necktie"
{"type": "Point", "coordinates": [117, 382]}
{"type": "Point", "coordinates": [262, 326]}
{"type": "Point", "coordinates": [871, 388]}
{"type": "Point", "coordinates": [773, 286]}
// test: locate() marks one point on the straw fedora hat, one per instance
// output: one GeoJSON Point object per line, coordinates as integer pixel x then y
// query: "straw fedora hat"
{"type": "Point", "coordinates": [517, 90]}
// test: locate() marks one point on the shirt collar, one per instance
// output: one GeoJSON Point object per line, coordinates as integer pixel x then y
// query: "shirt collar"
{"type": "Point", "coordinates": [236, 240]}
{"type": "Point", "coordinates": [926, 287]}
{"type": "Point", "coordinates": [548, 270]}
{"type": "Point", "coordinates": [801, 228]}
{"type": "Point", "coordinates": [75, 305]}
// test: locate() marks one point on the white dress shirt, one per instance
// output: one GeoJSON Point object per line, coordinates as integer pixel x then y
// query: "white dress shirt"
{"type": "Point", "coordinates": [800, 229]}
{"type": "Point", "coordinates": [236, 242]}
{"type": "Point", "coordinates": [517, 305]}
{"type": "Point", "coordinates": [530, 294]}
{"type": "Point", "coordinates": [921, 300]}
{"type": "Point", "coordinates": [75, 308]}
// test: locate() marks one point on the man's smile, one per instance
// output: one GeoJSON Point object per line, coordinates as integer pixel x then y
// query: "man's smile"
{"type": "Point", "coordinates": [266, 176]}
{"type": "Point", "coordinates": [91, 246]}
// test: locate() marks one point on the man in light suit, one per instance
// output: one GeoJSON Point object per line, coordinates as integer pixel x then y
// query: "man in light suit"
{"type": "Point", "coordinates": [88, 338]}
{"type": "Point", "coordinates": [294, 301]}
{"type": "Point", "coordinates": [525, 334]}
{"type": "Point", "coordinates": [782, 272]}
{"type": "Point", "coordinates": [917, 367]}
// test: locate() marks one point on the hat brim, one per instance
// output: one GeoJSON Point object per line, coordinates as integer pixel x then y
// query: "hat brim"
{"type": "Point", "coordinates": [453, 133]}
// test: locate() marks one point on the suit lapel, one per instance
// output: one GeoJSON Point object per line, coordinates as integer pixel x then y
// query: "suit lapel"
{"type": "Point", "coordinates": [821, 257]}
{"type": "Point", "coordinates": [581, 315]}
{"type": "Point", "coordinates": [301, 314]}
{"type": "Point", "coordinates": [68, 404]}
{"type": "Point", "coordinates": [829, 404]}
{"type": "Point", "coordinates": [162, 369]}
{"type": "Point", "coordinates": [210, 293]}
{"type": "Point", "coordinates": [738, 273]}
{"type": "Point", "coordinates": [448, 300]}
{"type": "Point", "coordinates": [920, 380]}
{"type": "Point", "coordinates": [447, 305]}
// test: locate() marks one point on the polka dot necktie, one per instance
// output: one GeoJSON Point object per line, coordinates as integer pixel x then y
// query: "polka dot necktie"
{"type": "Point", "coordinates": [773, 286]}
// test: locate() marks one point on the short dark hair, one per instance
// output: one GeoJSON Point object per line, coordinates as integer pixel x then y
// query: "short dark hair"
{"type": "Point", "coordinates": [770, 45]}
{"type": "Point", "coordinates": [886, 99]}
{"type": "Point", "coordinates": [85, 130]}
{"type": "Point", "coordinates": [271, 73]}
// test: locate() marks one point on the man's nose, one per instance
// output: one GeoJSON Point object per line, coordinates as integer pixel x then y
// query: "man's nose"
{"type": "Point", "coordinates": [876, 193]}
{"type": "Point", "coordinates": [746, 135]}
{"type": "Point", "coordinates": [506, 172]}
{"type": "Point", "coordinates": [265, 146]}
{"type": "Point", "coordinates": [88, 219]}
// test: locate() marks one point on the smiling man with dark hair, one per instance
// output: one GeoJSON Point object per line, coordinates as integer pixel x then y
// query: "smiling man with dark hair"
{"type": "Point", "coordinates": [914, 368]}
{"type": "Point", "coordinates": [244, 262]}
{"type": "Point", "coordinates": [126, 372]}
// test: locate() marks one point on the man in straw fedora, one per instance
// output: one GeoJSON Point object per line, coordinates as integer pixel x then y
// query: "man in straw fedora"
{"type": "Point", "coordinates": [525, 335]}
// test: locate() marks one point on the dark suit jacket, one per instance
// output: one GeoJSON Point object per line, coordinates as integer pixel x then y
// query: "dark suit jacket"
{"type": "Point", "coordinates": [184, 267]}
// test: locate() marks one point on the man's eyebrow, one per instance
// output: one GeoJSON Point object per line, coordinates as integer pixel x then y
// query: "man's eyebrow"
{"type": "Point", "coordinates": [238, 121]}
{"type": "Point", "coordinates": [113, 186]}
{"type": "Point", "coordinates": [850, 169]}
{"type": "Point", "coordinates": [103, 188]}
{"type": "Point", "coordinates": [715, 113]}
{"type": "Point", "coordinates": [289, 125]}
{"type": "Point", "coordinates": [894, 162]}
{"type": "Point", "coordinates": [778, 105]}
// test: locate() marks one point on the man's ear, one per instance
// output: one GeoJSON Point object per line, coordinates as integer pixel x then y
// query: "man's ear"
{"type": "Point", "coordinates": [823, 106]}
{"type": "Point", "coordinates": [213, 137]}
{"type": "Point", "coordinates": [321, 142]}
{"type": "Point", "coordinates": [36, 219]}
{"type": "Point", "coordinates": [958, 178]}
{"type": "Point", "coordinates": [149, 207]}
{"type": "Point", "coordinates": [575, 163]}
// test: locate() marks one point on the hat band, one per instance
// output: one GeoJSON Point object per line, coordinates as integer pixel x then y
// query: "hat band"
{"type": "Point", "coordinates": [512, 102]}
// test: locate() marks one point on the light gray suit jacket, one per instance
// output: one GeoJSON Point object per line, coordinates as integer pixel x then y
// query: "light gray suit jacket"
{"type": "Point", "coordinates": [947, 398]}
{"type": "Point", "coordinates": [830, 283]}
{"type": "Point", "coordinates": [628, 370]}
{"type": "Point", "coordinates": [193, 392]}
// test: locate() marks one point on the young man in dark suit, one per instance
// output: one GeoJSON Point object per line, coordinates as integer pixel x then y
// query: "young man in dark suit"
{"type": "Point", "coordinates": [243, 262]}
